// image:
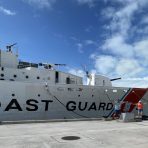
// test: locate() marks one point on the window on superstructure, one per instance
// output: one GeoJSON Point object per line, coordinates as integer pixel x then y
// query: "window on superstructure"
{"type": "Point", "coordinates": [56, 77]}
{"type": "Point", "coordinates": [67, 80]}
{"type": "Point", "coordinates": [103, 82]}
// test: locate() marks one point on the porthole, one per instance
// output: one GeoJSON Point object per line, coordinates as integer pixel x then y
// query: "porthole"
{"type": "Point", "coordinates": [38, 77]}
{"type": "Point", "coordinates": [2, 75]}
{"type": "Point", "coordinates": [14, 76]}
{"type": "Point", "coordinates": [78, 95]}
{"type": "Point", "coordinates": [13, 95]}
{"type": "Point", "coordinates": [39, 95]}
{"type": "Point", "coordinates": [92, 95]}
{"type": "Point", "coordinates": [2, 68]}
{"type": "Point", "coordinates": [27, 77]}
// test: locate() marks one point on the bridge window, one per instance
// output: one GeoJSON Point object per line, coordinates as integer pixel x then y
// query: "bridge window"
{"type": "Point", "coordinates": [56, 77]}
{"type": "Point", "coordinates": [67, 80]}
{"type": "Point", "coordinates": [103, 82]}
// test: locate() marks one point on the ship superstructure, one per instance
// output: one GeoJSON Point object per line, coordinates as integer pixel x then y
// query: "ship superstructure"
{"type": "Point", "coordinates": [30, 91]}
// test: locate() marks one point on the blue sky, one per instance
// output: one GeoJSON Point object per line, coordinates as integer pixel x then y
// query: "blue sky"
{"type": "Point", "coordinates": [109, 36]}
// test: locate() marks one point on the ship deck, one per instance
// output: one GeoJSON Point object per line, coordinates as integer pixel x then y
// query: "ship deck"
{"type": "Point", "coordinates": [86, 134]}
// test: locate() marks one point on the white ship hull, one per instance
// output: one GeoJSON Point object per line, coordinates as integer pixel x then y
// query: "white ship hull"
{"type": "Point", "coordinates": [37, 101]}
{"type": "Point", "coordinates": [31, 91]}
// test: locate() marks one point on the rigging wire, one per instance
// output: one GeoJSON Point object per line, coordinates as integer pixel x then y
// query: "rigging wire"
{"type": "Point", "coordinates": [47, 88]}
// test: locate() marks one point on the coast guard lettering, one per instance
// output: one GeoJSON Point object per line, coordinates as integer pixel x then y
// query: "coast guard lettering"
{"type": "Point", "coordinates": [32, 105]}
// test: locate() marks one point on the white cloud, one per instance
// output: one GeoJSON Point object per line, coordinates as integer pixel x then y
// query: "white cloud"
{"type": "Point", "coordinates": [128, 67]}
{"type": "Point", "coordinates": [141, 31]}
{"type": "Point", "coordinates": [114, 66]}
{"type": "Point", "coordinates": [77, 72]}
{"type": "Point", "coordinates": [89, 42]}
{"type": "Point", "coordinates": [124, 56]}
{"type": "Point", "coordinates": [104, 64]}
{"type": "Point", "coordinates": [121, 20]}
{"type": "Point", "coordinates": [90, 3]}
{"type": "Point", "coordinates": [7, 11]}
{"type": "Point", "coordinates": [80, 47]}
{"type": "Point", "coordinates": [141, 49]}
{"type": "Point", "coordinates": [117, 46]}
{"type": "Point", "coordinates": [108, 12]}
{"type": "Point", "coordinates": [144, 20]}
{"type": "Point", "coordinates": [89, 28]}
{"type": "Point", "coordinates": [41, 3]}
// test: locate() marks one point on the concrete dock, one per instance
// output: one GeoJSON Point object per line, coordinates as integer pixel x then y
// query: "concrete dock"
{"type": "Point", "coordinates": [78, 134]}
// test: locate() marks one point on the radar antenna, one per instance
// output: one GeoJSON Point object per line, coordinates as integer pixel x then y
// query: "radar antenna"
{"type": "Point", "coordinates": [9, 47]}
{"type": "Point", "coordinates": [50, 66]}
{"type": "Point", "coordinates": [60, 64]}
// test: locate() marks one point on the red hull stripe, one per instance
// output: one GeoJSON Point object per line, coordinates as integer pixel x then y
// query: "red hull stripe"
{"type": "Point", "coordinates": [133, 97]}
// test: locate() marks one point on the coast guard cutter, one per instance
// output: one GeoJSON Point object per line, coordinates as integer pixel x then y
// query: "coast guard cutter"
{"type": "Point", "coordinates": [30, 91]}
